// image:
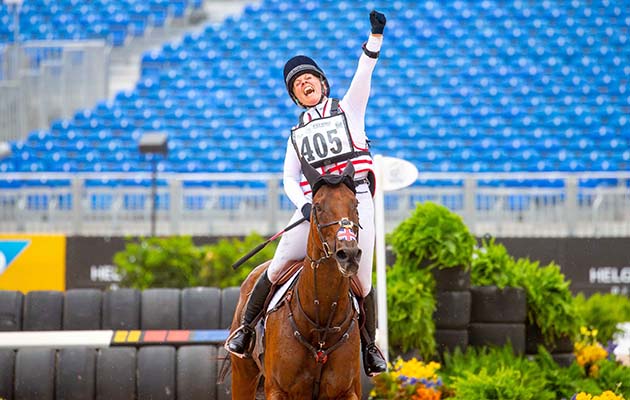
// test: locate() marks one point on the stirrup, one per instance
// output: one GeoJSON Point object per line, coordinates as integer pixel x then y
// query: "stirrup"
{"type": "Point", "coordinates": [245, 330]}
{"type": "Point", "coordinates": [373, 348]}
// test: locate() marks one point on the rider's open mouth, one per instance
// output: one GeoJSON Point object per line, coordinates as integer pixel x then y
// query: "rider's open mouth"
{"type": "Point", "coordinates": [308, 90]}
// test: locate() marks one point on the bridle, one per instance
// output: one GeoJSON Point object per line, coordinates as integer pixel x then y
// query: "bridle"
{"type": "Point", "coordinates": [344, 222]}
{"type": "Point", "coordinates": [321, 352]}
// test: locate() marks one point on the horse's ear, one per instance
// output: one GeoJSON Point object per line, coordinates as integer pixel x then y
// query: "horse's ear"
{"type": "Point", "coordinates": [309, 172]}
{"type": "Point", "coordinates": [349, 170]}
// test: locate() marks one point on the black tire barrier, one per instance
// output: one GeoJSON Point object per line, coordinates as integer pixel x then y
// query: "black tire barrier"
{"type": "Point", "coordinates": [11, 302]}
{"type": "Point", "coordinates": [156, 373]}
{"type": "Point", "coordinates": [447, 340]}
{"type": "Point", "coordinates": [491, 304]}
{"type": "Point", "coordinates": [76, 373]}
{"type": "Point", "coordinates": [43, 310]}
{"type": "Point", "coordinates": [563, 359]}
{"type": "Point", "coordinates": [160, 309]}
{"type": "Point", "coordinates": [121, 309]}
{"type": "Point", "coordinates": [229, 300]}
{"type": "Point", "coordinates": [451, 279]}
{"type": "Point", "coordinates": [7, 373]}
{"type": "Point", "coordinates": [224, 389]}
{"type": "Point", "coordinates": [452, 310]}
{"type": "Point", "coordinates": [116, 373]}
{"type": "Point", "coordinates": [497, 334]}
{"type": "Point", "coordinates": [153, 372]}
{"type": "Point", "coordinates": [35, 374]}
{"type": "Point", "coordinates": [196, 372]}
{"type": "Point", "coordinates": [82, 309]}
{"type": "Point", "coordinates": [534, 338]}
{"type": "Point", "coordinates": [201, 308]}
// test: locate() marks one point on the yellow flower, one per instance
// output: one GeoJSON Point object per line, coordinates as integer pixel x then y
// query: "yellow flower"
{"type": "Point", "coordinates": [415, 369]}
{"type": "Point", "coordinates": [607, 395]}
{"type": "Point", "coordinates": [589, 353]}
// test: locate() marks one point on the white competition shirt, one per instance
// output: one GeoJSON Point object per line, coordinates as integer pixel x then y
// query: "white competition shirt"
{"type": "Point", "coordinates": [353, 105]}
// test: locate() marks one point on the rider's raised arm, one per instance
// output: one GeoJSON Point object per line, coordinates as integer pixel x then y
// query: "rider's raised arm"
{"type": "Point", "coordinates": [356, 98]}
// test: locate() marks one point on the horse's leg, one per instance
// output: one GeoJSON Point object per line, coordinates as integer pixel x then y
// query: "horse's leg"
{"type": "Point", "coordinates": [245, 377]}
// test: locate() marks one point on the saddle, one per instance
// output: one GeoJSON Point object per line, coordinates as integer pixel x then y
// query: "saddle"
{"type": "Point", "coordinates": [277, 297]}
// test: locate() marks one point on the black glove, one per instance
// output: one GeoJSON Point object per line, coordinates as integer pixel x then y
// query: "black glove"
{"type": "Point", "coordinates": [377, 20]}
{"type": "Point", "coordinates": [306, 211]}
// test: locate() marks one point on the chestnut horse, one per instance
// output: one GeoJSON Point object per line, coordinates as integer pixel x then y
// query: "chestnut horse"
{"type": "Point", "coordinates": [311, 340]}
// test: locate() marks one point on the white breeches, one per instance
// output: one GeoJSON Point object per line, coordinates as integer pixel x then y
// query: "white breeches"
{"type": "Point", "coordinates": [293, 243]}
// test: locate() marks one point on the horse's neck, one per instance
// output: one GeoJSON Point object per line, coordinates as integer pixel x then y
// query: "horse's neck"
{"type": "Point", "coordinates": [326, 286]}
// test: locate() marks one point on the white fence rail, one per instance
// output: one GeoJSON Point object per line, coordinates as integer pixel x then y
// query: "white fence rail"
{"type": "Point", "coordinates": [237, 204]}
{"type": "Point", "coordinates": [41, 81]}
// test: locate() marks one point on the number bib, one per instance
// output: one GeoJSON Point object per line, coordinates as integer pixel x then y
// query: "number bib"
{"type": "Point", "coordinates": [324, 141]}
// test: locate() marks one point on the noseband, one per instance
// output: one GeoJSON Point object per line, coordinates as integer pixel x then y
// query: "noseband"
{"type": "Point", "coordinates": [343, 223]}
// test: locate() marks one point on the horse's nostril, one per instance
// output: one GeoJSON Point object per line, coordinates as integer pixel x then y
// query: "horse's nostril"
{"type": "Point", "coordinates": [348, 254]}
{"type": "Point", "coordinates": [341, 255]}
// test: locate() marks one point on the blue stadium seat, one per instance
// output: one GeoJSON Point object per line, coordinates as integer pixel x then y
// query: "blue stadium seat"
{"type": "Point", "coordinates": [475, 87]}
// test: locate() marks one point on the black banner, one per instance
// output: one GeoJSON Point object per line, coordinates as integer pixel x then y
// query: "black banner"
{"type": "Point", "coordinates": [89, 261]}
{"type": "Point", "coordinates": [591, 264]}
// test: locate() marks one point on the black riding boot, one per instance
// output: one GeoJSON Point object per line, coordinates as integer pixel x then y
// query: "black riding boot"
{"type": "Point", "coordinates": [239, 343]}
{"type": "Point", "coordinates": [373, 361]}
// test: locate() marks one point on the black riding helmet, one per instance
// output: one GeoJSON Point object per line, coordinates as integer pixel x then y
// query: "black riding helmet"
{"type": "Point", "coordinates": [299, 65]}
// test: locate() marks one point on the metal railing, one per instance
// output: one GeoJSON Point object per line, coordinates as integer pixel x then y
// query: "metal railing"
{"type": "Point", "coordinates": [45, 80]}
{"type": "Point", "coordinates": [237, 204]}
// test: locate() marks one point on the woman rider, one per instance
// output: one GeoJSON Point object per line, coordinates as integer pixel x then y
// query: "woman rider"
{"type": "Point", "coordinates": [308, 87]}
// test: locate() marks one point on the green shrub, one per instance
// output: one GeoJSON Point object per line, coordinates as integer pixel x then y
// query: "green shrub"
{"type": "Point", "coordinates": [603, 312]}
{"type": "Point", "coordinates": [410, 305]}
{"type": "Point", "coordinates": [550, 303]}
{"type": "Point", "coordinates": [496, 373]}
{"type": "Point", "coordinates": [435, 235]}
{"type": "Point", "coordinates": [176, 262]}
{"type": "Point", "coordinates": [492, 265]}
{"type": "Point", "coordinates": [218, 271]}
{"type": "Point", "coordinates": [159, 262]}
{"type": "Point", "coordinates": [613, 376]}
{"type": "Point", "coordinates": [564, 382]}
{"type": "Point", "coordinates": [493, 373]}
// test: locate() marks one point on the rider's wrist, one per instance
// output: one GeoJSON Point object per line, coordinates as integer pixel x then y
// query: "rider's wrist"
{"type": "Point", "coordinates": [371, 54]}
{"type": "Point", "coordinates": [374, 43]}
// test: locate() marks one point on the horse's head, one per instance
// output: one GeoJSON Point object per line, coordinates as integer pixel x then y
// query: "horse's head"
{"type": "Point", "coordinates": [334, 219]}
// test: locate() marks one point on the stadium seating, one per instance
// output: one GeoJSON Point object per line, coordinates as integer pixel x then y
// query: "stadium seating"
{"type": "Point", "coordinates": [113, 20]}
{"type": "Point", "coordinates": [461, 86]}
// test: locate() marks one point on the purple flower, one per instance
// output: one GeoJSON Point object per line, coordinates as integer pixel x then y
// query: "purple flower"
{"type": "Point", "coordinates": [610, 349]}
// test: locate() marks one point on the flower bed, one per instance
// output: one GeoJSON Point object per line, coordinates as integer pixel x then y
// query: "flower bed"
{"type": "Point", "coordinates": [410, 379]}
{"type": "Point", "coordinates": [497, 373]}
